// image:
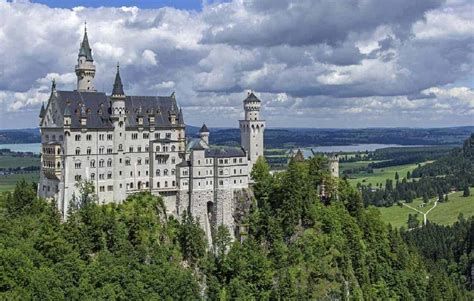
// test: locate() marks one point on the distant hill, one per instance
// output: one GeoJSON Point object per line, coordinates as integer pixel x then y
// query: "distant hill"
{"type": "Point", "coordinates": [303, 137]}
{"type": "Point", "coordinates": [20, 136]}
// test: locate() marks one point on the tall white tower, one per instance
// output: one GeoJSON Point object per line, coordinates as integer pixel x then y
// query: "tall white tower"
{"type": "Point", "coordinates": [252, 128]}
{"type": "Point", "coordinates": [85, 68]}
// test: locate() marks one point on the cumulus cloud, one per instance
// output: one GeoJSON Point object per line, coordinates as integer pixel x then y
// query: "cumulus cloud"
{"type": "Point", "coordinates": [314, 63]}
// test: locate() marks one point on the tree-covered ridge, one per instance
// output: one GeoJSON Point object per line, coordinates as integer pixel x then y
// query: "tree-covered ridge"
{"type": "Point", "coordinates": [297, 246]}
{"type": "Point", "coordinates": [454, 171]}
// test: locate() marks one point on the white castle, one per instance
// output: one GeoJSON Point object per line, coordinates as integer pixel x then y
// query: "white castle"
{"type": "Point", "coordinates": [125, 144]}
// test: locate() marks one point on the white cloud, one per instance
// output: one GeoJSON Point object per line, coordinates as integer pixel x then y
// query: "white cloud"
{"type": "Point", "coordinates": [359, 63]}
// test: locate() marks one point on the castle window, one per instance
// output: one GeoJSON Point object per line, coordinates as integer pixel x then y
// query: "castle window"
{"type": "Point", "coordinates": [109, 175]}
{"type": "Point", "coordinates": [110, 188]}
{"type": "Point", "coordinates": [235, 171]}
{"type": "Point", "coordinates": [131, 185]}
{"type": "Point", "coordinates": [101, 150]}
{"type": "Point", "coordinates": [59, 165]}
{"type": "Point", "coordinates": [157, 135]}
{"type": "Point", "coordinates": [109, 163]}
{"type": "Point", "coordinates": [173, 160]}
{"type": "Point", "coordinates": [157, 148]}
{"type": "Point", "coordinates": [221, 172]}
{"type": "Point", "coordinates": [147, 184]}
{"type": "Point", "coordinates": [101, 163]}
{"type": "Point", "coordinates": [168, 135]}
{"type": "Point", "coordinates": [127, 161]}
{"type": "Point", "coordinates": [101, 137]}
{"type": "Point", "coordinates": [221, 183]}
{"type": "Point", "coordinates": [145, 136]}
{"type": "Point", "coordinates": [221, 161]}
{"type": "Point", "coordinates": [146, 172]}
{"type": "Point", "coordinates": [173, 148]}
{"type": "Point", "coordinates": [59, 151]}
{"type": "Point", "coordinates": [130, 149]}
{"type": "Point", "coordinates": [77, 177]}
{"type": "Point", "coordinates": [78, 151]}
{"type": "Point", "coordinates": [102, 189]}
{"type": "Point", "coordinates": [240, 160]}
{"type": "Point", "coordinates": [165, 172]}
{"type": "Point", "coordinates": [89, 150]}
{"type": "Point", "coordinates": [60, 137]}
{"type": "Point", "coordinates": [146, 148]}
{"type": "Point", "coordinates": [235, 160]}
{"type": "Point", "coordinates": [185, 172]}
{"type": "Point", "coordinates": [89, 137]}
{"type": "Point", "coordinates": [173, 183]}
{"type": "Point", "coordinates": [157, 184]}
{"type": "Point", "coordinates": [92, 176]}
{"type": "Point", "coordinates": [134, 136]}
{"type": "Point", "coordinates": [139, 149]}
{"type": "Point", "coordinates": [92, 164]}
{"type": "Point", "coordinates": [109, 150]}
{"type": "Point", "coordinates": [226, 161]}
{"type": "Point", "coordinates": [147, 160]}
{"type": "Point", "coordinates": [120, 147]}
{"type": "Point", "coordinates": [77, 164]}
{"type": "Point", "coordinates": [199, 162]}
{"type": "Point", "coordinates": [139, 161]}
{"type": "Point", "coordinates": [173, 172]}
{"type": "Point", "coordinates": [166, 183]}
{"type": "Point", "coordinates": [109, 136]}
{"type": "Point", "coordinates": [77, 137]}
{"type": "Point", "coordinates": [101, 176]}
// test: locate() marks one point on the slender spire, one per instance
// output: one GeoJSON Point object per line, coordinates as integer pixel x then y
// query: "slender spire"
{"type": "Point", "coordinates": [85, 49]}
{"type": "Point", "coordinates": [53, 85]}
{"type": "Point", "coordinates": [118, 87]}
{"type": "Point", "coordinates": [43, 111]}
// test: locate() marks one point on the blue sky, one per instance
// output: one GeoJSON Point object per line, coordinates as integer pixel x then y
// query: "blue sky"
{"type": "Point", "coordinates": [325, 63]}
{"type": "Point", "coordinates": [180, 4]}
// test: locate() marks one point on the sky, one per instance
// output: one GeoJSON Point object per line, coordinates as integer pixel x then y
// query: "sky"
{"type": "Point", "coordinates": [319, 64]}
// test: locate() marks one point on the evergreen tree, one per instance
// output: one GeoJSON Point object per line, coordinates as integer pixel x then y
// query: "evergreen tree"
{"type": "Point", "coordinates": [466, 191]}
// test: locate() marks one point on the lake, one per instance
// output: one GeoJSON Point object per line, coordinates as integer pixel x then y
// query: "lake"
{"type": "Point", "coordinates": [349, 148]}
{"type": "Point", "coordinates": [23, 147]}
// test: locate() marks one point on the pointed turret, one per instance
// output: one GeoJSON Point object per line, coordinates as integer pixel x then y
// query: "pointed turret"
{"type": "Point", "coordinates": [85, 49]}
{"type": "Point", "coordinates": [42, 111]}
{"type": "Point", "coordinates": [118, 87]}
{"type": "Point", "coordinates": [204, 129]}
{"type": "Point", "coordinates": [180, 116]}
{"type": "Point", "coordinates": [85, 68]}
{"type": "Point", "coordinates": [204, 134]}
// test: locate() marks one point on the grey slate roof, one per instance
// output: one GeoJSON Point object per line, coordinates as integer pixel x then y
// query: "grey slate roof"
{"type": "Point", "coordinates": [252, 98]}
{"type": "Point", "coordinates": [97, 106]}
{"type": "Point", "coordinates": [204, 129]}
{"type": "Point", "coordinates": [43, 111]}
{"type": "Point", "coordinates": [184, 164]}
{"type": "Point", "coordinates": [118, 87]}
{"type": "Point", "coordinates": [224, 152]}
{"type": "Point", "coordinates": [85, 49]}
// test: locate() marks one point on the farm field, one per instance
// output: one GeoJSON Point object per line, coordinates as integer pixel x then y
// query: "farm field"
{"type": "Point", "coordinates": [8, 182]}
{"type": "Point", "coordinates": [381, 174]}
{"type": "Point", "coordinates": [443, 213]}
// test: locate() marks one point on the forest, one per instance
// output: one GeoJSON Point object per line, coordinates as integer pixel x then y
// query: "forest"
{"type": "Point", "coordinates": [297, 246]}
{"type": "Point", "coordinates": [454, 171]}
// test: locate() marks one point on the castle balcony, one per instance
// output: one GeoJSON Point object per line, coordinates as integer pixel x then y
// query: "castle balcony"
{"type": "Point", "coordinates": [51, 160]}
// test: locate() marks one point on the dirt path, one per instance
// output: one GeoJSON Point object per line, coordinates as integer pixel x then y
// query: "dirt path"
{"type": "Point", "coordinates": [425, 214]}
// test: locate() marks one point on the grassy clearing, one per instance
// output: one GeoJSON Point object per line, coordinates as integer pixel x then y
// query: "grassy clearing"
{"type": "Point", "coordinates": [7, 183]}
{"type": "Point", "coordinates": [443, 213]}
{"type": "Point", "coordinates": [380, 175]}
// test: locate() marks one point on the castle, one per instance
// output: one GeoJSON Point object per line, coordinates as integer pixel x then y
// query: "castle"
{"type": "Point", "coordinates": [125, 144]}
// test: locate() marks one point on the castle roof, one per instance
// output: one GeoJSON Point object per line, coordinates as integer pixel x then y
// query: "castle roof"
{"type": "Point", "coordinates": [43, 111]}
{"type": "Point", "coordinates": [97, 106]}
{"type": "Point", "coordinates": [252, 98]}
{"type": "Point", "coordinates": [118, 87]}
{"type": "Point", "coordinates": [204, 129]}
{"type": "Point", "coordinates": [224, 152]}
{"type": "Point", "coordinates": [85, 49]}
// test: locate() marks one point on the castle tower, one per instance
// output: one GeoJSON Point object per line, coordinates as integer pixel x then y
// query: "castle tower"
{"type": "Point", "coordinates": [117, 99]}
{"type": "Point", "coordinates": [251, 129]}
{"type": "Point", "coordinates": [204, 134]}
{"type": "Point", "coordinates": [85, 68]}
{"type": "Point", "coordinates": [334, 165]}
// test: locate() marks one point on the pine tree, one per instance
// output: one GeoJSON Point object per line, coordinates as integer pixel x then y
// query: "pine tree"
{"type": "Point", "coordinates": [466, 191]}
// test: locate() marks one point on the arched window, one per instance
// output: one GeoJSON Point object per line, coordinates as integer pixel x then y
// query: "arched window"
{"type": "Point", "coordinates": [173, 172]}
{"type": "Point", "coordinates": [101, 163]}
{"type": "Point", "coordinates": [165, 172]}
{"type": "Point", "coordinates": [78, 151]}
{"type": "Point", "coordinates": [59, 165]}
{"type": "Point", "coordinates": [92, 163]}
{"type": "Point", "coordinates": [120, 147]}
{"type": "Point", "coordinates": [77, 164]}
{"type": "Point", "coordinates": [157, 172]}
{"type": "Point", "coordinates": [173, 148]}
{"type": "Point", "coordinates": [89, 150]}
{"type": "Point", "coordinates": [157, 148]}
{"type": "Point", "coordinates": [109, 163]}
{"type": "Point", "coordinates": [59, 151]}
{"type": "Point", "coordinates": [92, 176]}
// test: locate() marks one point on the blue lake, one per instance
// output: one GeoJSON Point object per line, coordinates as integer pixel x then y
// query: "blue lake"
{"type": "Point", "coordinates": [23, 147]}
